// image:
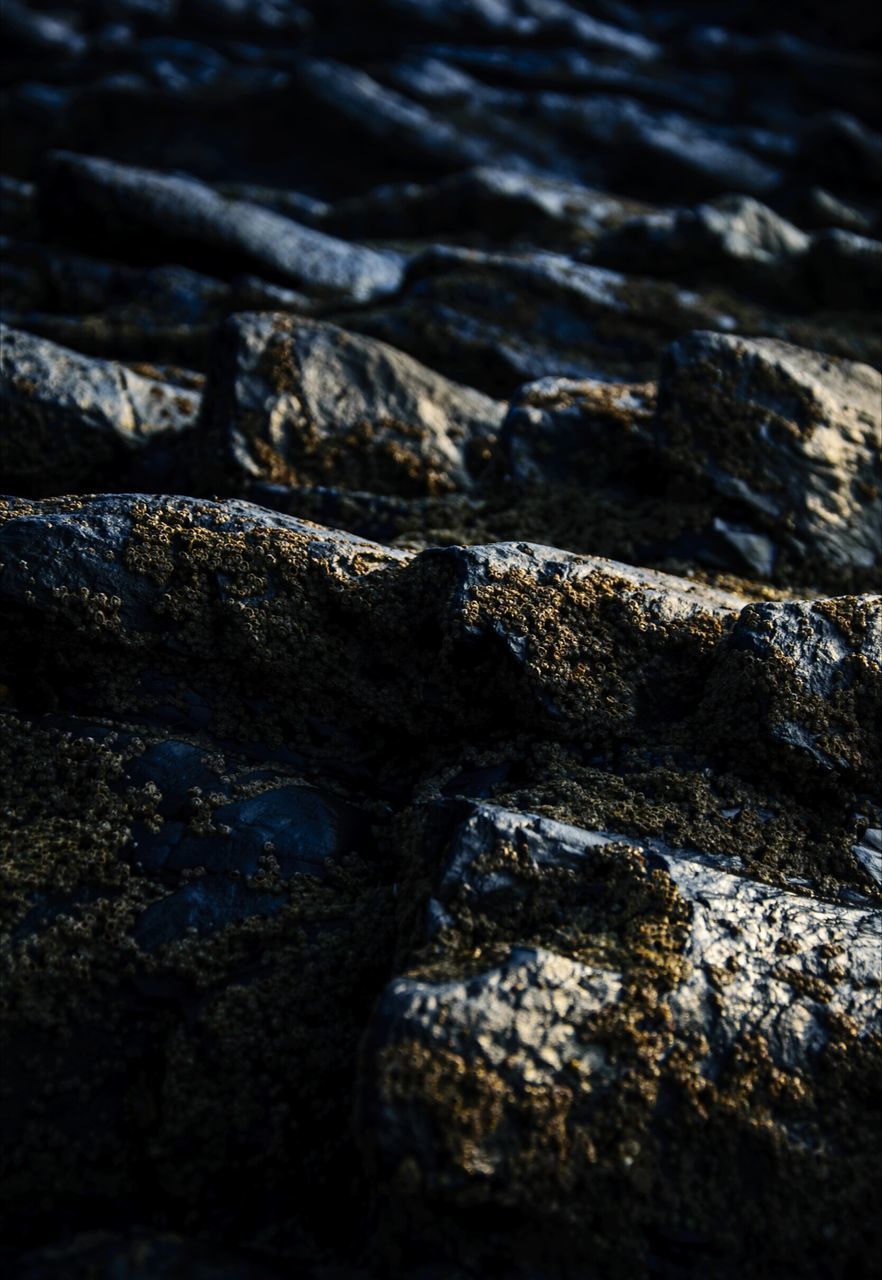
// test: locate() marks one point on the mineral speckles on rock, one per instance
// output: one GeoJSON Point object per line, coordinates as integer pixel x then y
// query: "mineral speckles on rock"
{"type": "Point", "coordinates": [71, 422]}
{"type": "Point", "coordinates": [793, 436]}
{"type": "Point", "coordinates": [439, 657]}
{"type": "Point", "coordinates": [307, 403]}
{"type": "Point", "coordinates": [505, 1063]}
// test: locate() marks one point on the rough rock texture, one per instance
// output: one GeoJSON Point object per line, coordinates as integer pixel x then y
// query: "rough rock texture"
{"type": "Point", "coordinates": [71, 423]}
{"type": "Point", "coordinates": [793, 436]}
{"type": "Point", "coordinates": [542, 1059]}
{"type": "Point", "coordinates": [440, 640]}
{"type": "Point", "coordinates": [306, 403]}
{"type": "Point", "coordinates": [186, 213]}
{"type": "Point", "coordinates": [807, 681]}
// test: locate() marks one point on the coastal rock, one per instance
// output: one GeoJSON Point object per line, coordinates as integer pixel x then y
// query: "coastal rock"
{"type": "Point", "coordinates": [70, 422]}
{"type": "Point", "coordinates": [210, 901]}
{"type": "Point", "coordinates": [790, 436]}
{"type": "Point", "coordinates": [110, 201]}
{"type": "Point", "coordinates": [803, 682]}
{"type": "Point", "coordinates": [496, 320]}
{"type": "Point", "coordinates": [305, 403]}
{"type": "Point", "coordinates": [540, 1061]}
{"type": "Point", "coordinates": [561, 431]}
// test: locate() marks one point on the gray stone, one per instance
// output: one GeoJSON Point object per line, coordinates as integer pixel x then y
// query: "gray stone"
{"type": "Point", "coordinates": [496, 320]}
{"type": "Point", "coordinates": [492, 1064]}
{"type": "Point", "coordinates": [737, 239]}
{"type": "Point", "coordinates": [71, 421]}
{"type": "Point", "coordinates": [562, 431]}
{"type": "Point", "coordinates": [175, 210]}
{"type": "Point", "coordinates": [799, 684]}
{"type": "Point", "coordinates": [306, 403]}
{"type": "Point", "coordinates": [791, 435]}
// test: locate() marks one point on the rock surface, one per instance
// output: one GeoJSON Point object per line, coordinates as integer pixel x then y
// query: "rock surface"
{"type": "Point", "coordinates": [440, 640]}
{"type": "Point", "coordinates": [305, 403]}
{"type": "Point", "coordinates": [70, 422]}
{"type": "Point", "coordinates": [792, 436]}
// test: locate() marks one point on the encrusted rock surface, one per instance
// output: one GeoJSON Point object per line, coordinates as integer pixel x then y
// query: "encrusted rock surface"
{"type": "Point", "coordinates": [440, 641]}
{"type": "Point", "coordinates": [794, 436]}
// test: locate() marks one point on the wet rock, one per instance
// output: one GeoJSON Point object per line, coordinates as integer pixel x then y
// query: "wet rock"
{"type": "Point", "coordinates": [500, 204]}
{"type": "Point", "coordinates": [70, 421]}
{"type": "Point", "coordinates": [738, 240]}
{"type": "Point", "coordinates": [561, 431]}
{"type": "Point", "coordinates": [575, 644]}
{"type": "Point", "coordinates": [392, 121]}
{"type": "Point", "coordinates": [306, 403]}
{"type": "Point", "coordinates": [16, 203]}
{"type": "Point", "coordinates": [841, 150]}
{"type": "Point", "coordinates": [165, 313]}
{"type": "Point", "coordinates": [140, 1255]}
{"type": "Point", "coordinates": [869, 853]}
{"type": "Point", "coordinates": [790, 435]}
{"type": "Point", "coordinates": [184, 213]}
{"type": "Point", "coordinates": [202, 610]}
{"type": "Point", "coordinates": [530, 1047]}
{"type": "Point", "coordinates": [495, 320]}
{"type": "Point", "coordinates": [847, 268]}
{"type": "Point", "coordinates": [804, 681]}
{"type": "Point", "coordinates": [645, 148]}
{"type": "Point", "coordinates": [41, 33]}
{"type": "Point", "coordinates": [210, 990]}
{"type": "Point", "coordinates": [499, 878]}
{"type": "Point", "coordinates": [524, 21]}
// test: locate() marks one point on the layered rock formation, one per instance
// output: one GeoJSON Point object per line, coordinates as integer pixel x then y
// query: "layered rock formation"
{"type": "Point", "coordinates": [440, 641]}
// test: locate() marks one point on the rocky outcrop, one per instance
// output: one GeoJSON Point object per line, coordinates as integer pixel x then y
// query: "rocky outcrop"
{"type": "Point", "coordinates": [440, 652]}
{"type": "Point", "coordinates": [184, 214]}
{"type": "Point", "coordinates": [796, 440]}
{"type": "Point", "coordinates": [305, 403]}
{"type": "Point", "coordinates": [73, 422]}
{"type": "Point", "coordinates": [561, 1063]}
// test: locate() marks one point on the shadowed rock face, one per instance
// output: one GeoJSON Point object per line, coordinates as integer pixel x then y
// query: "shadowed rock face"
{"type": "Point", "coordinates": [440, 650]}
{"type": "Point", "coordinates": [310, 404]}
{"type": "Point", "coordinates": [794, 436]}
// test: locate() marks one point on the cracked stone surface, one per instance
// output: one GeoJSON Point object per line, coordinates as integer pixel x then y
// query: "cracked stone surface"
{"type": "Point", "coordinates": [440, 640]}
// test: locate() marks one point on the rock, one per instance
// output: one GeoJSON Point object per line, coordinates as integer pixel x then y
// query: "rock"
{"type": "Point", "coordinates": [194, 996]}
{"type": "Point", "coordinates": [791, 436]}
{"type": "Point", "coordinates": [182, 212]}
{"type": "Point", "coordinates": [839, 149]}
{"type": "Point", "coordinates": [756, 552]}
{"type": "Point", "coordinates": [737, 240]}
{"type": "Point", "coordinates": [501, 204]}
{"type": "Point", "coordinates": [205, 613]}
{"type": "Point", "coordinates": [165, 313]}
{"type": "Point", "coordinates": [847, 268]}
{"type": "Point", "coordinates": [495, 320]}
{"type": "Point", "coordinates": [200, 609]}
{"type": "Point", "coordinates": [455, 850]}
{"type": "Point", "coordinates": [802, 681]}
{"type": "Point", "coordinates": [70, 421]}
{"type": "Point", "coordinates": [563, 432]}
{"type": "Point", "coordinates": [305, 403]}
{"type": "Point", "coordinates": [523, 21]}
{"type": "Point", "coordinates": [644, 147]}
{"type": "Point", "coordinates": [553, 1063]}
{"type": "Point", "coordinates": [869, 853]}
{"type": "Point", "coordinates": [392, 121]}
{"type": "Point", "coordinates": [572, 646]}
{"type": "Point", "coordinates": [41, 33]}
{"type": "Point", "coordinates": [16, 203]}
{"type": "Point", "coordinates": [141, 1256]}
